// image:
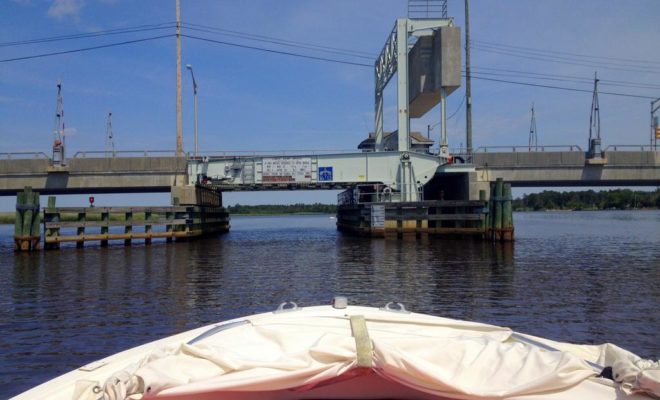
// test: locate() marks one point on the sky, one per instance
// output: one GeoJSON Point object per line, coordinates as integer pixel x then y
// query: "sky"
{"type": "Point", "coordinates": [263, 101]}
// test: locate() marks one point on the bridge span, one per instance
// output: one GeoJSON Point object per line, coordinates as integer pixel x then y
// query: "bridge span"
{"type": "Point", "coordinates": [160, 173]}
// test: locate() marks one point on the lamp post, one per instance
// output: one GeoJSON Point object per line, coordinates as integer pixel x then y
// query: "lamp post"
{"type": "Point", "coordinates": [189, 66]}
{"type": "Point", "coordinates": [655, 126]}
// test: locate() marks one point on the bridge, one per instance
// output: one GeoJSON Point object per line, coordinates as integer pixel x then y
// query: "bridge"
{"type": "Point", "coordinates": [132, 172]}
{"type": "Point", "coordinates": [426, 73]}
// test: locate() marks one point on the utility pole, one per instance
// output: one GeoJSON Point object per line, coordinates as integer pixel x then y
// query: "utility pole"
{"type": "Point", "coordinates": [179, 117]}
{"type": "Point", "coordinates": [468, 85]}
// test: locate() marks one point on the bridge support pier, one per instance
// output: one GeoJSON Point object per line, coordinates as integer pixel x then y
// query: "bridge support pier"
{"type": "Point", "coordinates": [210, 216]}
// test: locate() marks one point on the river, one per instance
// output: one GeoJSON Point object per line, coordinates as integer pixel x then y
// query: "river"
{"type": "Point", "coordinates": [586, 277]}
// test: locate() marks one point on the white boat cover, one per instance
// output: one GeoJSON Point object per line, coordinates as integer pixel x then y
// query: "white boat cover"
{"type": "Point", "coordinates": [438, 356]}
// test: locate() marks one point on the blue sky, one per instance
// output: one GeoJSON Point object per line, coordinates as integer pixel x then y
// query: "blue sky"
{"type": "Point", "coordinates": [251, 100]}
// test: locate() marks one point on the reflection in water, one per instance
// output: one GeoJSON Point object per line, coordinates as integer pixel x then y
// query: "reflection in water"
{"type": "Point", "coordinates": [582, 277]}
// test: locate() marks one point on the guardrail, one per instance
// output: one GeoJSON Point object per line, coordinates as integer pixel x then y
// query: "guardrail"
{"type": "Point", "coordinates": [234, 153]}
{"type": "Point", "coordinates": [24, 155]}
{"type": "Point", "coordinates": [521, 149]}
{"type": "Point", "coordinates": [125, 153]}
{"type": "Point", "coordinates": [631, 147]}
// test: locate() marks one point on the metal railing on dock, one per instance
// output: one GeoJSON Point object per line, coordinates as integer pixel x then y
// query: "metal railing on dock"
{"type": "Point", "coordinates": [73, 224]}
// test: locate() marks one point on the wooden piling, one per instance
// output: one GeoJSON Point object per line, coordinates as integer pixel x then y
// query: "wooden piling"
{"type": "Point", "coordinates": [128, 229]}
{"type": "Point", "coordinates": [147, 228]}
{"type": "Point", "coordinates": [53, 217]}
{"type": "Point", "coordinates": [105, 227]}
{"type": "Point", "coordinates": [180, 223]}
{"type": "Point", "coordinates": [18, 224]}
{"type": "Point", "coordinates": [507, 214]}
{"type": "Point", "coordinates": [497, 215]}
{"type": "Point", "coordinates": [26, 227]}
{"type": "Point", "coordinates": [80, 231]}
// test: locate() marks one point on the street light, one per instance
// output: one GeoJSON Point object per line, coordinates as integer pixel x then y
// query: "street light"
{"type": "Point", "coordinates": [189, 66]}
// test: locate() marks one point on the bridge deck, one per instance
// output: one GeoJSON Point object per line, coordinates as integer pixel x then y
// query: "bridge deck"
{"type": "Point", "coordinates": [159, 174]}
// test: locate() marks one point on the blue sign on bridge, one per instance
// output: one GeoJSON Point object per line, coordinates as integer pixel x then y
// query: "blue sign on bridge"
{"type": "Point", "coordinates": [325, 174]}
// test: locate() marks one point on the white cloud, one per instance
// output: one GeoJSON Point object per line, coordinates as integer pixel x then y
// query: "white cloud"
{"type": "Point", "coordinates": [61, 9]}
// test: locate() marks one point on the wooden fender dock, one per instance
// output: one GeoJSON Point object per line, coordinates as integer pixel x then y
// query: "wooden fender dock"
{"type": "Point", "coordinates": [176, 222]}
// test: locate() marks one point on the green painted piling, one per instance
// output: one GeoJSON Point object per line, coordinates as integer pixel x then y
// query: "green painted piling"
{"type": "Point", "coordinates": [499, 188]}
{"type": "Point", "coordinates": [18, 224]}
{"type": "Point", "coordinates": [28, 213]}
{"type": "Point", "coordinates": [507, 213]}
{"type": "Point", "coordinates": [26, 227]}
{"type": "Point", "coordinates": [36, 220]}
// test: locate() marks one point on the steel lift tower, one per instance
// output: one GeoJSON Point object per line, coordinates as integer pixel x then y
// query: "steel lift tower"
{"type": "Point", "coordinates": [425, 54]}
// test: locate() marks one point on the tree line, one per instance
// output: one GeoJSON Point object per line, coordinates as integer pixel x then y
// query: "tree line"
{"type": "Point", "coordinates": [270, 209]}
{"type": "Point", "coordinates": [617, 199]}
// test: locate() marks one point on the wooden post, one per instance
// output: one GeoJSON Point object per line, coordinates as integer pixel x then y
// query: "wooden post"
{"type": "Point", "coordinates": [80, 231]}
{"type": "Point", "coordinates": [18, 224]}
{"type": "Point", "coordinates": [36, 223]}
{"type": "Point", "coordinates": [507, 214]}
{"type": "Point", "coordinates": [105, 228]}
{"type": "Point", "coordinates": [484, 222]}
{"type": "Point", "coordinates": [147, 227]}
{"type": "Point", "coordinates": [491, 212]}
{"type": "Point", "coordinates": [51, 216]}
{"type": "Point", "coordinates": [499, 188]}
{"type": "Point", "coordinates": [128, 229]}
{"type": "Point", "coordinates": [28, 213]}
{"type": "Point", "coordinates": [169, 228]}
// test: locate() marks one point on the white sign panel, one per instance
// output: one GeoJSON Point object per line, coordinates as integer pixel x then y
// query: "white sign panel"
{"type": "Point", "coordinates": [287, 169]}
{"type": "Point", "coordinates": [378, 216]}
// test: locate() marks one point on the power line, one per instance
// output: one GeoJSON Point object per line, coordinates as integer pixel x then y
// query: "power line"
{"type": "Point", "coordinates": [564, 53]}
{"type": "Point", "coordinates": [550, 59]}
{"type": "Point", "coordinates": [541, 53]}
{"type": "Point", "coordinates": [133, 29]}
{"type": "Point", "coordinates": [84, 49]}
{"type": "Point", "coordinates": [564, 88]}
{"type": "Point", "coordinates": [457, 109]}
{"type": "Point", "coordinates": [252, 36]}
{"type": "Point", "coordinates": [278, 51]}
{"type": "Point", "coordinates": [576, 80]}
{"type": "Point", "coordinates": [286, 43]}
{"type": "Point", "coordinates": [312, 58]}
{"type": "Point", "coordinates": [641, 85]}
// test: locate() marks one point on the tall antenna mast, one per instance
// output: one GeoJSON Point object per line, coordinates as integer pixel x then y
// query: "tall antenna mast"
{"type": "Point", "coordinates": [109, 137]}
{"type": "Point", "coordinates": [595, 154]}
{"type": "Point", "coordinates": [58, 129]}
{"type": "Point", "coordinates": [594, 119]}
{"type": "Point", "coordinates": [533, 138]}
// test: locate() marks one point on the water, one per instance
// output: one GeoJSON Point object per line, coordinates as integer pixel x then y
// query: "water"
{"type": "Point", "coordinates": [587, 277]}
